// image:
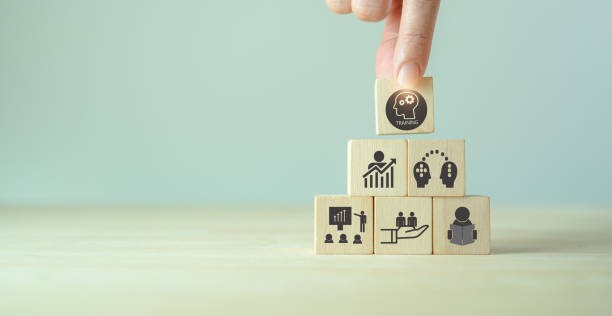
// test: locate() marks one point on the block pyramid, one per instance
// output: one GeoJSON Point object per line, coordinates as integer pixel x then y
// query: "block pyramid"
{"type": "Point", "coordinates": [404, 196]}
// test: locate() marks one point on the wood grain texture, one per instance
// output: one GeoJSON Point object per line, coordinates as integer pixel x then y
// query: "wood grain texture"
{"type": "Point", "coordinates": [391, 238]}
{"type": "Point", "coordinates": [436, 157]}
{"type": "Point", "coordinates": [444, 209]}
{"type": "Point", "coordinates": [351, 233]}
{"type": "Point", "coordinates": [258, 259]}
{"type": "Point", "coordinates": [387, 179]}
{"type": "Point", "coordinates": [384, 89]}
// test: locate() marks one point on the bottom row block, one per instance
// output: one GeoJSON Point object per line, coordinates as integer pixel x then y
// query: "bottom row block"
{"type": "Point", "coordinates": [402, 225]}
{"type": "Point", "coordinates": [344, 224]}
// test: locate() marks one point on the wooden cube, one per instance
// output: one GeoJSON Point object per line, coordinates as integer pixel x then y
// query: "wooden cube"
{"type": "Point", "coordinates": [403, 225]}
{"type": "Point", "coordinates": [377, 167]}
{"type": "Point", "coordinates": [344, 225]}
{"type": "Point", "coordinates": [401, 110]}
{"type": "Point", "coordinates": [461, 225]}
{"type": "Point", "coordinates": [436, 167]}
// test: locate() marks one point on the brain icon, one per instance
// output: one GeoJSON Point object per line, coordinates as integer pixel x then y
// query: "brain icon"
{"type": "Point", "coordinates": [405, 104]}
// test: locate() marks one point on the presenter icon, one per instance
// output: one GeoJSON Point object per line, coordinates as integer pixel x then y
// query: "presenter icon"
{"type": "Point", "coordinates": [362, 221]}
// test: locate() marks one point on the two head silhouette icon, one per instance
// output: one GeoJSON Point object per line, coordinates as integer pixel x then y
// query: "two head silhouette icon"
{"type": "Point", "coordinates": [448, 174]}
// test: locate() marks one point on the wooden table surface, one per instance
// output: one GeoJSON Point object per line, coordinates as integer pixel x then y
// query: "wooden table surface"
{"type": "Point", "coordinates": [255, 260]}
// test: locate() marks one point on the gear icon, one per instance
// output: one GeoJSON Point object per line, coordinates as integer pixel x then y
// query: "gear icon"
{"type": "Point", "coordinates": [409, 99]}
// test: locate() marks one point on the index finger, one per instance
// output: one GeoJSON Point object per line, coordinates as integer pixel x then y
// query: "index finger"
{"type": "Point", "coordinates": [414, 39]}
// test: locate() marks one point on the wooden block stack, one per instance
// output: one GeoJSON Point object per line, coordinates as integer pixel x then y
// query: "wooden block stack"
{"type": "Point", "coordinates": [404, 196]}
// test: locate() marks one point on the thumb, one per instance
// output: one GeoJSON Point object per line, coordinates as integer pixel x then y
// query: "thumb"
{"type": "Point", "coordinates": [414, 40]}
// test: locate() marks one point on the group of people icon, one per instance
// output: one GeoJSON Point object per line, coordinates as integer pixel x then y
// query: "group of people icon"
{"type": "Point", "coordinates": [329, 239]}
{"type": "Point", "coordinates": [401, 221]}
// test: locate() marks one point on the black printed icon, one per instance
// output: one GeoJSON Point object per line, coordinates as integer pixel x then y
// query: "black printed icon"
{"type": "Point", "coordinates": [448, 171]}
{"type": "Point", "coordinates": [380, 173]}
{"type": "Point", "coordinates": [411, 221]}
{"type": "Point", "coordinates": [362, 221]}
{"type": "Point", "coordinates": [400, 220]}
{"type": "Point", "coordinates": [462, 231]}
{"type": "Point", "coordinates": [406, 109]}
{"type": "Point", "coordinates": [401, 232]}
{"type": "Point", "coordinates": [340, 216]}
{"type": "Point", "coordinates": [421, 174]}
{"type": "Point", "coordinates": [343, 239]}
{"type": "Point", "coordinates": [448, 174]}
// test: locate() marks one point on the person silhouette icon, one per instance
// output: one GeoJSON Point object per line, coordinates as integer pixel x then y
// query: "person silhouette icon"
{"type": "Point", "coordinates": [412, 220]}
{"type": "Point", "coordinates": [343, 239]}
{"type": "Point", "coordinates": [462, 231]}
{"type": "Point", "coordinates": [400, 220]}
{"type": "Point", "coordinates": [448, 174]}
{"type": "Point", "coordinates": [379, 156]}
{"type": "Point", "coordinates": [421, 174]}
{"type": "Point", "coordinates": [357, 239]}
{"type": "Point", "coordinates": [362, 221]}
{"type": "Point", "coordinates": [329, 239]}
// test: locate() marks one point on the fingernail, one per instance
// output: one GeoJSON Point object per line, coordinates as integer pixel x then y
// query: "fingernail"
{"type": "Point", "coordinates": [409, 74]}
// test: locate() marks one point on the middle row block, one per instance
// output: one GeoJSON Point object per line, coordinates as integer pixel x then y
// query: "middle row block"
{"type": "Point", "coordinates": [406, 168]}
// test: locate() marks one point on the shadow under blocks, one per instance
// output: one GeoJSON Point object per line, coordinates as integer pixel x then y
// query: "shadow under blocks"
{"type": "Point", "coordinates": [404, 196]}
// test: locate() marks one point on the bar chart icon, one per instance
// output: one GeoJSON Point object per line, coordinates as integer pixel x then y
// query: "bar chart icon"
{"type": "Point", "coordinates": [340, 216]}
{"type": "Point", "coordinates": [379, 177]}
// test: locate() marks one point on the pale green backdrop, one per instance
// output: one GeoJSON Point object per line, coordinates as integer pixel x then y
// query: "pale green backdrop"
{"type": "Point", "coordinates": [190, 102]}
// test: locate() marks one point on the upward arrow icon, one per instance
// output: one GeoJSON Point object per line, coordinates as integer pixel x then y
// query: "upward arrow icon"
{"type": "Point", "coordinates": [381, 170]}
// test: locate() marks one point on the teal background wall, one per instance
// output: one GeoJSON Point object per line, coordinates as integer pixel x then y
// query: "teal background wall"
{"type": "Point", "coordinates": [111, 102]}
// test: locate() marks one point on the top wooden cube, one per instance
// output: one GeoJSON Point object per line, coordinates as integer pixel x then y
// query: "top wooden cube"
{"type": "Point", "coordinates": [402, 110]}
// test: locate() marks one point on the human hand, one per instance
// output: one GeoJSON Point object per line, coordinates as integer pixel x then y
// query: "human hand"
{"type": "Point", "coordinates": [406, 40]}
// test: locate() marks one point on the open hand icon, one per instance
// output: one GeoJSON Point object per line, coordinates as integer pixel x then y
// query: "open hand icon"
{"type": "Point", "coordinates": [409, 232]}
{"type": "Point", "coordinates": [403, 233]}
